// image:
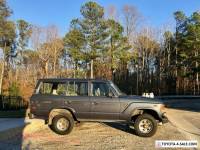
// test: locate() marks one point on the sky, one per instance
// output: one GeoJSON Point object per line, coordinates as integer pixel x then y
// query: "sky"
{"type": "Point", "coordinates": [61, 12]}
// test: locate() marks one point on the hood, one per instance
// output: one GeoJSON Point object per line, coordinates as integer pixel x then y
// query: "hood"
{"type": "Point", "coordinates": [141, 99]}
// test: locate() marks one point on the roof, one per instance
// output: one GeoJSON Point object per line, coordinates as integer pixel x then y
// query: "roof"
{"type": "Point", "coordinates": [70, 79]}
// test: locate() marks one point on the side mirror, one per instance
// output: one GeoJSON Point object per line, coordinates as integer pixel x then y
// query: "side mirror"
{"type": "Point", "coordinates": [110, 95]}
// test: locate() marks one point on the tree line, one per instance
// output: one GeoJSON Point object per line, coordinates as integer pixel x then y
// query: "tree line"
{"type": "Point", "coordinates": [104, 43]}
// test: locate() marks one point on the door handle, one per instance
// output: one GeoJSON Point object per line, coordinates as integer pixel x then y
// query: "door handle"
{"type": "Point", "coordinates": [94, 103]}
{"type": "Point", "coordinates": [68, 102]}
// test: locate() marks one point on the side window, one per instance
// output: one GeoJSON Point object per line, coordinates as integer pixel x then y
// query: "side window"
{"type": "Point", "coordinates": [71, 89]}
{"type": "Point", "coordinates": [77, 89]}
{"type": "Point", "coordinates": [100, 89]}
{"type": "Point", "coordinates": [45, 88]}
{"type": "Point", "coordinates": [61, 89]}
{"type": "Point", "coordinates": [53, 88]}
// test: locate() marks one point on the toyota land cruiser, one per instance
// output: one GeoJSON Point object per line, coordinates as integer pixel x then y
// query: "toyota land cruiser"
{"type": "Point", "coordinates": [62, 102]}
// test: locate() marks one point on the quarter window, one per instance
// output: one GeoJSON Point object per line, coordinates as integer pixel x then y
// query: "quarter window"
{"type": "Point", "coordinates": [45, 88]}
{"type": "Point", "coordinates": [77, 89]}
{"type": "Point", "coordinates": [53, 88]}
{"type": "Point", "coordinates": [70, 89]}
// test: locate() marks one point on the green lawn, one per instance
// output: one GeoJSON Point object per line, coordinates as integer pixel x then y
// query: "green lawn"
{"type": "Point", "coordinates": [13, 114]}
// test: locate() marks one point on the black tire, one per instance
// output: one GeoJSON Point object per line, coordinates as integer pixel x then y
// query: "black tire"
{"type": "Point", "coordinates": [68, 128]}
{"type": "Point", "coordinates": [142, 130]}
{"type": "Point", "coordinates": [51, 126]}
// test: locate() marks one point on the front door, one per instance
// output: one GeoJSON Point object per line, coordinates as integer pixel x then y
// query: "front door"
{"type": "Point", "coordinates": [104, 105]}
{"type": "Point", "coordinates": [77, 98]}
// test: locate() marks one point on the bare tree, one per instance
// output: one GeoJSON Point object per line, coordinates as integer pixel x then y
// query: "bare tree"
{"type": "Point", "coordinates": [147, 50]}
{"type": "Point", "coordinates": [57, 50]}
{"type": "Point", "coordinates": [49, 46]}
{"type": "Point", "coordinates": [131, 19]}
{"type": "Point", "coordinates": [112, 12]}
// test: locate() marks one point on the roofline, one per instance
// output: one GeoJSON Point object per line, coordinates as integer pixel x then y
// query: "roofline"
{"type": "Point", "coordinates": [76, 79]}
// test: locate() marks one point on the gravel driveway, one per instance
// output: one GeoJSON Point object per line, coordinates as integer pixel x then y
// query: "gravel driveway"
{"type": "Point", "coordinates": [95, 136]}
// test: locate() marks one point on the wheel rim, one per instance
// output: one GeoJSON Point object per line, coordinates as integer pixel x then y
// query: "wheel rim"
{"type": "Point", "coordinates": [62, 124]}
{"type": "Point", "coordinates": [145, 126]}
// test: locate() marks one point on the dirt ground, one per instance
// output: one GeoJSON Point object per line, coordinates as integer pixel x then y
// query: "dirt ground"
{"type": "Point", "coordinates": [90, 136]}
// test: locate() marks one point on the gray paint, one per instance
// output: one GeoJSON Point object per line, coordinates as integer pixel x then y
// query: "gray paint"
{"type": "Point", "coordinates": [92, 108]}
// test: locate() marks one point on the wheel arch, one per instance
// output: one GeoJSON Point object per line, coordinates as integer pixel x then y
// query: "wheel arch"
{"type": "Point", "coordinates": [140, 111]}
{"type": "Point", "coordinates": [60, 111]}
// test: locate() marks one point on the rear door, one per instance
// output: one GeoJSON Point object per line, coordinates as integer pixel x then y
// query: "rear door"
{"type": "Point", "coordinates": [104, 105]}
{"type": "Point", "coordinates": [50, 95]}
{"type": "Point", "coordinates": [77, 98]}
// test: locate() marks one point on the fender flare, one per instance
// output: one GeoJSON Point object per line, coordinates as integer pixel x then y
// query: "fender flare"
{"type": "Point", "coordinates": [140, 110]}
{"type": "Point", "coordinates": [60, 111]}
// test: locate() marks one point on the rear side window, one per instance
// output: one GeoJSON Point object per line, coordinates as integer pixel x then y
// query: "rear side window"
{"type": "Point", "coordinates": [53, 88]}
{"type": "Point", "coordinates": [65, 89]}
{"type": "Point", "coordinates": [61, 89]}
{"type": "Point", "coordinates": [45, 88]}
{"type": "Point", "coordinates": [77, 89]}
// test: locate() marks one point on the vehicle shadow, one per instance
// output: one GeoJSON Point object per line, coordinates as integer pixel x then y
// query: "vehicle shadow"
{"type": "Point", "coordinates": [120, 126]}
{"type": "Point", "coordinates": [11, 131]}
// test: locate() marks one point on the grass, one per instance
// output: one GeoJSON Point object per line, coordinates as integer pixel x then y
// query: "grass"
{"type": "Point", "coordinates": [13, 113]}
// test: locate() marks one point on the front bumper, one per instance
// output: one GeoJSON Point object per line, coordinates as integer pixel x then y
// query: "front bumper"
{"type": "Point", "coordinates": [164, 118]}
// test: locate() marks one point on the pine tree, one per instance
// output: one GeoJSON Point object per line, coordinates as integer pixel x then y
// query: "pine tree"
{"type": "Point", "coordinates": [7, 38]}
{"type": "Point", "coordinates": [93, 28]}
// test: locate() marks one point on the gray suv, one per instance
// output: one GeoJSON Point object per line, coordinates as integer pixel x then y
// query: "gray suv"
{"type": "Point", "coordinates": [63, 102]}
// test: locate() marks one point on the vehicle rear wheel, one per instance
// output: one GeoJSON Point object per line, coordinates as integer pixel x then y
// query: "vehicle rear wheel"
{"type": "Point", "coordinates": [145, 125]}
{"type": "Point", "coordinates": [62, 124]}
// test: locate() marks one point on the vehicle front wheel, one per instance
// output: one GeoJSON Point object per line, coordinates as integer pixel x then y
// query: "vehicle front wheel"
{"type": "Point", "coordinates": [62, 124]}
{"type": "Point", "coordinates": [145, 125]}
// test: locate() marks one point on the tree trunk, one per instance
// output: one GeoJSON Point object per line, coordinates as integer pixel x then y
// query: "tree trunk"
{"type": "Point", "coordinates": [46, 68]}
{"type": "Point", "coordinates": [197, 81]}
{"type": "Point", "coordinates": [75, 68]}
{"type": "Point", "coordinates": [1, 79]}
{"type": "Point", "coordinates": [176, 74]}
{"type": "Point", "coordinates": [54, 68]}
{"type": "Point", "coordinates": [197, 75]}
{"type": "Point", "coordinates": [194, 87]}
{"type": "Point", "coordinates": [137, 91]}
{"type": "Point", "coordinates": [184, 86]}
{"type": "Point", "coordinates": [2, 69]}
{"type": "Point", "coordinates": [55, 61]}
{"type": "Point", "coordinates": [111, 60]}
{"type": "Point", "coordinates": [91, 69]}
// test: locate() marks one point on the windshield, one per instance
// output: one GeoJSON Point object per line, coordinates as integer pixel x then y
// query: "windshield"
{"type": "Point", "coordinates": [118, 91]}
